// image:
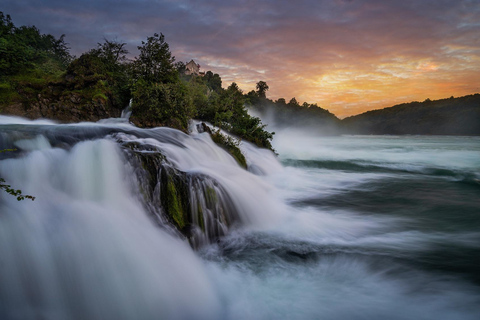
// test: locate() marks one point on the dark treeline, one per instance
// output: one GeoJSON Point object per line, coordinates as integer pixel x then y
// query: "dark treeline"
{"type": "Point", "coordinates": [452, 116]}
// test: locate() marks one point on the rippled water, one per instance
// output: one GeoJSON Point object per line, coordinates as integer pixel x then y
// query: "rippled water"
{"type": "Point", "coordinates": [378, 227]}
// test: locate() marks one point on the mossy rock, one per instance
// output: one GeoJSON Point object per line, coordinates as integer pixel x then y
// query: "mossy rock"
{"type": "Point", "coordinates": [174, 197]}
{"type": "Point", "coordinates": [229, 145]}
{"type": "Point", "coordinates": [174, 205]}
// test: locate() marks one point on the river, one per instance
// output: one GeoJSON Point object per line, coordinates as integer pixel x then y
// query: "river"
{"type": "Point", "coordinates": [345, 227]}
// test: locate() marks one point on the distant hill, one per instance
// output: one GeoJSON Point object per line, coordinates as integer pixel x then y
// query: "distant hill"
{"type": "Point", "coordinates": [452, 116]}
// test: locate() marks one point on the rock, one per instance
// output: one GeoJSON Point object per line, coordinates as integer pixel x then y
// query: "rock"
{"type": "Point", "coordinates": [202, 127]}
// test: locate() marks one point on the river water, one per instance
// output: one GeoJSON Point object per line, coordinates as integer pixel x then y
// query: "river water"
{"type": "Point", "coordinates": [346, 227]}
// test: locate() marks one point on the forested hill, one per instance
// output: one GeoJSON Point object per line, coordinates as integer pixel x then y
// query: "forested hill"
{"type": "Point", "coordinates": [452, 116]}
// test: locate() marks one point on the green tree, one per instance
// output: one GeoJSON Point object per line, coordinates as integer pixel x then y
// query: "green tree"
{"type": "Point", "coordinates": [213, 81]}
{"type": "Point", "coordinates": [112, 53]}
{"type": "Point", "coordinates": [25, 49]}
{"type": "Point", "coordinates": [155, 64]}
{"type": "Point", "coordinates": [162, 104]}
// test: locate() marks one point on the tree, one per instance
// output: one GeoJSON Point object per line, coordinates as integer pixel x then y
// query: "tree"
{"type": "Point", "coordinates": [25, 49]}
{"type": "Point", "coordinates": [180, 66]}
{"type": "Point", "coordinates": [155, 64]}
{"type": "Point", "coordinates": [262, 88]}
{"type": "Point", "coordinates": [213, 81]}
{"type": "Point", "coordinates": [293, 102]}
{"type": "Point", "coordinates": [6, 25]}
{"type": "Point", "coordinates": [112, 53]}
{"type": "Point", "coordinates": [162, 104]}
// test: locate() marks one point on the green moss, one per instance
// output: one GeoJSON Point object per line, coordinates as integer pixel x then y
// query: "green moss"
{"type": "Point", "coordinates": [100, 96]}
{"type": "Point", "coordinates": [174, 205]}
{"type": "Point", "coordinates": [211, 197]}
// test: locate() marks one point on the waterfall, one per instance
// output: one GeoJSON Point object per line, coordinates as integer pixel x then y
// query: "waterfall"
{"type": "Point", "coordinates": [98, 188]}
{"type": "Point", "coordinates": [127, 112]}
{"type": "Point", "coordinates": [205, 188]}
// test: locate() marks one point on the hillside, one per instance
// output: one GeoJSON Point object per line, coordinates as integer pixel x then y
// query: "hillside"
{"type": "Point", "coordinates": [452, 116]}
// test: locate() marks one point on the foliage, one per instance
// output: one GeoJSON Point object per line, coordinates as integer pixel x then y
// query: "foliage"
{"type": "Point", "coordinates": [29, 61]}
{"type": "Point", "coordinates": [227, 111]}
{"type": "Point", "coordinates": [105, 69]}
{"type": "Point", "coordinates": [25, 49]}
{"type": "Point", "coordinates": [14, 192]}
{"type": "Point", "coordinates": [155, 64]}
{"type": "Point", "coordinates": [112, 53]}
{"type": "Point", "coordinates": [213, 81]}
{"type": "Point", "coordinates": [262, 88]}
{"type": "Point", "coordinates": [161, 104]}
{"type": "Point", "coordinates": [231, 146]}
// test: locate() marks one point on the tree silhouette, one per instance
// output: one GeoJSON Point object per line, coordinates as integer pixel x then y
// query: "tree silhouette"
{"type": "Point", "coordinates": [262, 88]}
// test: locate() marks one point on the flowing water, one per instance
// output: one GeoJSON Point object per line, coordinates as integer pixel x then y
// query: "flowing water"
{"type": "Point", "coordinates": [349, 227]}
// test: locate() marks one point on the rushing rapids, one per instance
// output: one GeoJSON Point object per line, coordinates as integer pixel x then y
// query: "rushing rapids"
{"type": "Point", "coordinates": [183, 181]}
{"type": "Point", "coordinates": [135, 223]}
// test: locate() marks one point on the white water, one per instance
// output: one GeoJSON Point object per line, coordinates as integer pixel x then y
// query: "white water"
{"type": "Point", "coordinates": [86, 248]}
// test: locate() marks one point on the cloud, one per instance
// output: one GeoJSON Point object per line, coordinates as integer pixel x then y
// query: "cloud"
{"type": "Point", "coordinates": [345, 55]}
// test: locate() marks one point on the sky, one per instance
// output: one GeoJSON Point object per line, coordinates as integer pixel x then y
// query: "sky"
{"type": "Point", "coordinates": [348, 56]}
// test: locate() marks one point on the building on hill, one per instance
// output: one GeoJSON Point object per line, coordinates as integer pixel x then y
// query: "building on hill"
{"type": "Point", "coordinates": [192, 68]}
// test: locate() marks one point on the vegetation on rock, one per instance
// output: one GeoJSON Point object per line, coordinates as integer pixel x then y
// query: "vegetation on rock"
{"type": "Point", "coordinates": [230, 146]}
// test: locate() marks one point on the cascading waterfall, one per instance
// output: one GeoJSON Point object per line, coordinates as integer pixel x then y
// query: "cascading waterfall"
{"type": "Point", "coordinates": [182, 179]}
{"type": "Point", "coordinates": [86, 248]}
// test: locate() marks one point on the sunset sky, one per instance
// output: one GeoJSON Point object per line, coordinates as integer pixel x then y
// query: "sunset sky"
{"type": "Point", "coordinates": [348, 56]}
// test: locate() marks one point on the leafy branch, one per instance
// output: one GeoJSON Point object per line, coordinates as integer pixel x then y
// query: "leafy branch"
{"type": "Point", "coordinates": [14, 192]}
